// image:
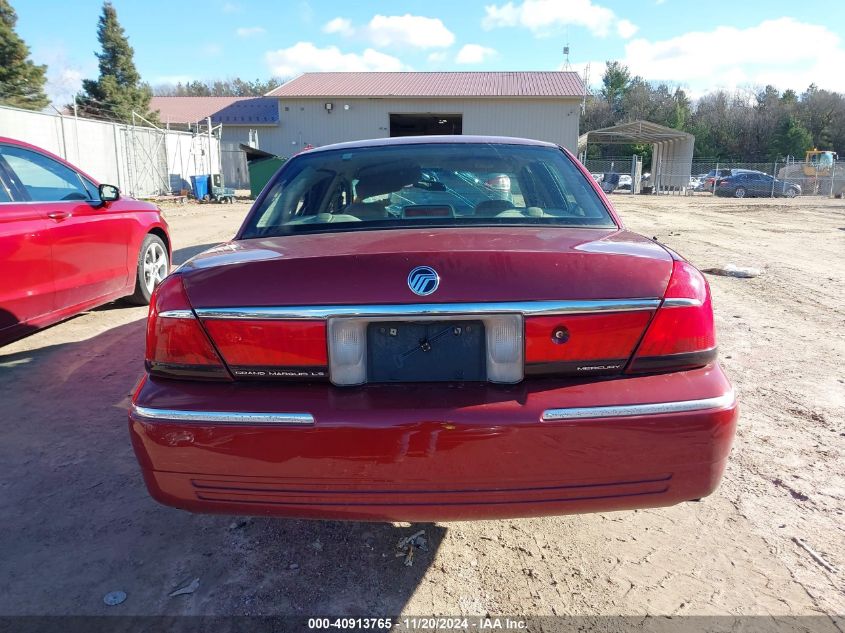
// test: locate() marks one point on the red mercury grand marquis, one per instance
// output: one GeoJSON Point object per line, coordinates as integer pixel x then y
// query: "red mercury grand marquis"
{"type": "Point", "coordinates": [432, 328]}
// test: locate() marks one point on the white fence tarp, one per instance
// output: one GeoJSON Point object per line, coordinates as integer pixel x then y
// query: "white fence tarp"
{"type": "Point", "coordinates": [142, 161]}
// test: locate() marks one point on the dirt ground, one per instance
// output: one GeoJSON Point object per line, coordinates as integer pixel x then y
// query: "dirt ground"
{"type": "Point", "coordinates": [78, 523]}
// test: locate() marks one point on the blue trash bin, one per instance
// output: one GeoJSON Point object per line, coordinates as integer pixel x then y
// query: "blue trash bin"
{"type": "Point", "coordinates": [200, 186]}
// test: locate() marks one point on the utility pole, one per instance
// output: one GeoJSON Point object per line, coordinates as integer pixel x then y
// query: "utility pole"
{"type": "Point", "coordinates": [210, 166]}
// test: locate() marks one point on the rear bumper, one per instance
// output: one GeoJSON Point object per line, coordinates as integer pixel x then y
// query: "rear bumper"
{"type": "Point", "coordinates": [434, 452]}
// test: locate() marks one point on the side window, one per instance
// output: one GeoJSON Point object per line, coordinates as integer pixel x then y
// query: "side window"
{"type": "Point", "coordinates": [43, 179]}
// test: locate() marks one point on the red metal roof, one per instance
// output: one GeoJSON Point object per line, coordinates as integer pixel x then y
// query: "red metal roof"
{"type": "Point", "coordinates": [179, 110]}
{"type": "Point", "coordinates": [434, 84]}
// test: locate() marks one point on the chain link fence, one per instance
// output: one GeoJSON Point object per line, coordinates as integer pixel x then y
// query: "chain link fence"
{"type": "Point", "coordinates": [783, 178]}
{"type": "Point", "coordinates": [140, 158]}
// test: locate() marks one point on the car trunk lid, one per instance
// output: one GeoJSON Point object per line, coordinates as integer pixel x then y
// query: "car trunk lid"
{"type": "Point", "coordinates": [474, 265]}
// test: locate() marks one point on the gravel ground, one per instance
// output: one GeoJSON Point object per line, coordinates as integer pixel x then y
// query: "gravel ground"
{"type": "Point", "coordinates": [78, 522]}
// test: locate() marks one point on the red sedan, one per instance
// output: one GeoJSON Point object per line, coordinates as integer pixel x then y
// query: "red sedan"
{"type": "Point", "coordinates": [69, 244]}
{"type": "Point", "coordinates": [358, 353]}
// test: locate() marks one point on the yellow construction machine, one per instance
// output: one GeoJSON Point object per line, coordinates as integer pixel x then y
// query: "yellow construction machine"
{"type": "Point", "coordinates": [818, 174]}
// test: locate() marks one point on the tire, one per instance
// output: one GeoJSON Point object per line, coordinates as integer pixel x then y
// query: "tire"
{"type": "Point", "coordinates": [153, 266]}
{"type": "Point", "coordinates": [790, 193]}
{"type": "Point", "coordinates": [739, 192]}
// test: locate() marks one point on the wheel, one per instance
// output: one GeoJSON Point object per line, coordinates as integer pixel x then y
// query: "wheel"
{"type": "Point", "coordinates": [791, 193]}
{"type": "Point", "coordinates": [739, 192]}
{"type": "Point", "coordinates": [153, 266]}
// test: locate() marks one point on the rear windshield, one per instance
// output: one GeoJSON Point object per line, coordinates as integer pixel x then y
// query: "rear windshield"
{"type": "Point", "coordinates": [426, 185]}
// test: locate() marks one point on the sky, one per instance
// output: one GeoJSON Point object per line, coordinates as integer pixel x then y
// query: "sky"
{"type": "Point", "coordinates": [699, 46]}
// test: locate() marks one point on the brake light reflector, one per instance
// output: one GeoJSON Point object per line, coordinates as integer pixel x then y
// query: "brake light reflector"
{"type": "Point", "coordinates": [271, 349]}
{"type": "Point", "coordinates": [584, 344]}
{"type": "Point", "coordinates": [347, 345]}
{"type": "Point", "coordinates": [682, 334]}
{"type": "Point", "coordinates": [177, 346]}
{"type": "Point", "coordinates": [504, 348]}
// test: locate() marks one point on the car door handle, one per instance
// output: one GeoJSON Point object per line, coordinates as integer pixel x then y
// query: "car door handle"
{"type": "Point", "coordinates": [58, 215]}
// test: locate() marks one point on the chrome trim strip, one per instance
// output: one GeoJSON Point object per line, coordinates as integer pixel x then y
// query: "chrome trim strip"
{"type": "Point", "coordinates": [224, 417]}
{"type": "Point", "coordinates": [527, 308]}
{"type": "Point", "coordinates": [176, 314]}
{"type": "Point", "coordinates": [627, 410]}
{"type": "Point", "coordinates": [681, 303]}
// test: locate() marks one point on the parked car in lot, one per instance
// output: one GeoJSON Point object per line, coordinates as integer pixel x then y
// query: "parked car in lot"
{"type": "Point", "coordinates": [68, 243]}
{"type": "Point", "coordinates": [749, 184]}
{"type": "Point", "coordinates": [707, 181]}
{"type": "Point", "coordinates": [531, 358]}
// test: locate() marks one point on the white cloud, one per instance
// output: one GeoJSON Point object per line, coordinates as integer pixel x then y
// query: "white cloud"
{"type": "Point", "coordinates": [306, 57]}
{"type": "Point", "coordinates": [689, 60]}
{"type": "Point", "coordinates": [409, 30]}
{"type": "Point", "coordinates": [343, 26]}
{"type": "Point", "coordinates": [437, 57]}
{"type": "Point", "coordinates": [250, 31]}
{"type": "Point", "coordinates": [64, 77]}
{"type": "Point", "coordinates": [544, 16]}
{"type": "Point", "coordinates": [231, 7]}
{"type": "Point", "coordinates": [696, 58]}
{"type": "Point", "coordinates": [384, 31]}
{"type": "Point", "coordinates": [626, 29]}
{"type": "Point", "coordinates": [474, 54]}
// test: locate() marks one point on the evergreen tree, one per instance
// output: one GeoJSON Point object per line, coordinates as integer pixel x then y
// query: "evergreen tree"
{"type": "Point", "coordinates": [792, 139]}
{"type": "Point", "coordinates": [616, 82]}
{"type": "Point", "coordinates": [119, 90]}
{"type": "Point", "coordinates": [21, 81]}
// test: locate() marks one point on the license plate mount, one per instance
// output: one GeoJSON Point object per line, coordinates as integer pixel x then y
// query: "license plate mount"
{"type": "Point", "coordinates": [426, 351]}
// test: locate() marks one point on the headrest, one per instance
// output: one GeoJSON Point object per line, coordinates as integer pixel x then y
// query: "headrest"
{"type": "Point", "coordinates": [376, 181]}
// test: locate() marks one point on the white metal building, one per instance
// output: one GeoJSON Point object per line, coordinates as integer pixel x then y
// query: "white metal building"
{"type": "Point", "coordinates": [323, 108]}
{"type": "Point", "coordinates": [671, 158]}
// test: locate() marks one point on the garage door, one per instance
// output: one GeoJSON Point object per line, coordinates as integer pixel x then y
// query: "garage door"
{"type": "Point", "coordinates": [425, 124]}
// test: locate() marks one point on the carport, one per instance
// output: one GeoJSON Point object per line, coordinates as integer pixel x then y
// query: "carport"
{"type": "Point", "coordinates": [671, 158]}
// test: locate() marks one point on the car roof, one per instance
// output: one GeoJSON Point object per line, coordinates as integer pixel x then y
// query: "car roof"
{"type": "Point", "coordinates": [434, 139]}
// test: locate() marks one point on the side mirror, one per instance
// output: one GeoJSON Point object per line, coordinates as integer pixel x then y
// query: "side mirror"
{"type": "Point", "coordinates": [109, 193]}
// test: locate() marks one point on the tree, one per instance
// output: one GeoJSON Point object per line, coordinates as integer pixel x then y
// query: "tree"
{"type": "Point", "coordinates": [119, 90]}
{"type": "Point", "coordinates": [21, 80]}
{"type": "Point", "coordinates": [759, 125]}
{"type": "Point", "coordinates": [615, 83]}
{"type": "Point", "coordinates": [792, 139]}
{"type": "Point", "coordinates": [218, 88]}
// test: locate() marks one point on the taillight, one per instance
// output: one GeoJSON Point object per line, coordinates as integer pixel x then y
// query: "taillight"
{"type": "Point", "coordinates": [177, 346]}
{"type": "Point", "coordinates": [584, 344]}
{"type": "Point", "coordinates": [682, 334]}
{"type": "Point", "coordinates": [264, 349]}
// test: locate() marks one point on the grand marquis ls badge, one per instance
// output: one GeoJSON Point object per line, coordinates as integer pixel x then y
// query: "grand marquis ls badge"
{"type": "Point", "coordinates": [423, 280]}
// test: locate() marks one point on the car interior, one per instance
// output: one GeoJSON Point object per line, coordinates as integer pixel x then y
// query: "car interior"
{"type": "Point", "coordinates": [456, 188]}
